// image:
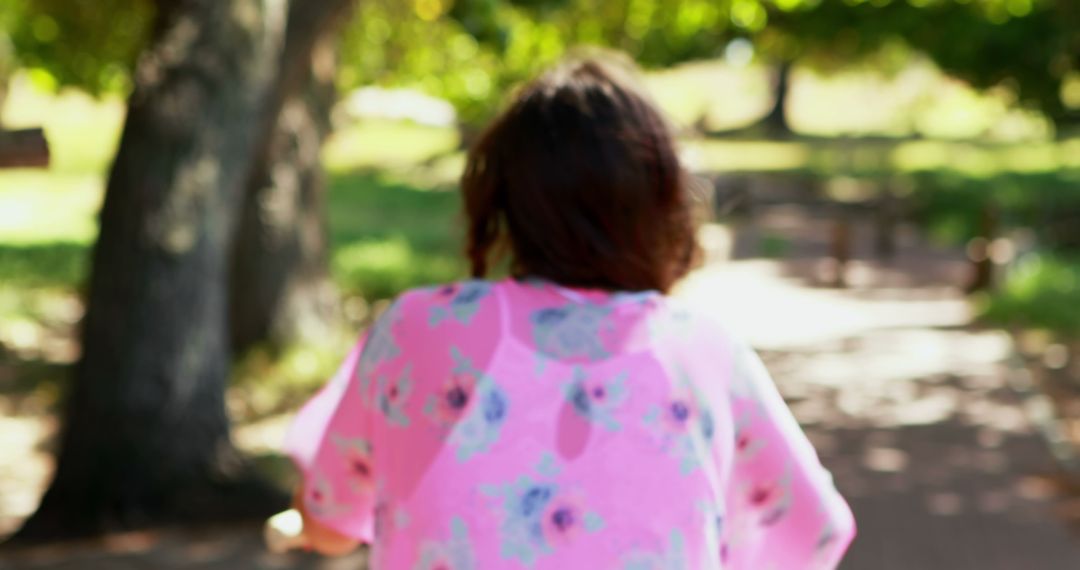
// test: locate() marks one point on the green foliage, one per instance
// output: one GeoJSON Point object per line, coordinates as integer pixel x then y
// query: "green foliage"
{"type": "Point", "coordinates": [1042, 292]}
{"type": "Point", "coordinates": [89, 44]}
{"type": "Point", "coordinates": [394, 43]}
{"type": "Point", "coordinates": [1027, 46]}
{"type": "Point", "coordinates": [266, 382]}
{"type": "Point", "coordinates": [951, 204]}
{"type": "Point", "coordinates": [481, 20]}
{"type": "Point", "coordinates": [1031, 54]}
{"type": "Point", "coordinates": [9, 13]}
{"type": "Point", "coordinates": [774, 246]}
{"type": "Point", "coordinates": [472, 51]}
{"type": "Point", "coordinates": [655, 33]}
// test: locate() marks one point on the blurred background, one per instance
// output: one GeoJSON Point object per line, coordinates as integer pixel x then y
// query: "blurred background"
{"type": "Point", "coordinates": [894, 221]}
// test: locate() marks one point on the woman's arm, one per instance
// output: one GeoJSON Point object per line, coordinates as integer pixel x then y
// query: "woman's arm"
{"type": "Point", "coordinates": [321, 538]}
{"type": "Point", "coordinates": [784, 511]}
{"type": "Point", "coordinates": [329, 435]}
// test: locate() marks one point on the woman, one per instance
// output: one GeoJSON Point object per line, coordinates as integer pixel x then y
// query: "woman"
{"type": "Point", "coordinates": [570, 415]}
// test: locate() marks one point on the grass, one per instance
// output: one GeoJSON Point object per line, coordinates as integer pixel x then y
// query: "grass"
{"type": "Point", "coordinates": [1042, 292]}
{"type": "Point", "coordinates": [388, 234]}
{"type": "Point", "coordinates": [386, 145]}
{"type": "Point", "coordinates": [43, 265]}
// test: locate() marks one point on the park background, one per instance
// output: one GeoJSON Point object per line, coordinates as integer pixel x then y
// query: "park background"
{"type": "Point", "coordinates": [894, 221]}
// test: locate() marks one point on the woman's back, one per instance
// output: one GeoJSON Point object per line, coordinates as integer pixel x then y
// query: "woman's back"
{"type": "Point", "coordinates": [521, 424]}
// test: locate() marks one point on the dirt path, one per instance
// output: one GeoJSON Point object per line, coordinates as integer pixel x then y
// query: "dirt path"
{"type": "Point", "coordinates": [910, 406]}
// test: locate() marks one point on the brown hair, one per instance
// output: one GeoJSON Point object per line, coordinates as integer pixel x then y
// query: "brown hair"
{"type": "Point", "coordinates": [579, 178]}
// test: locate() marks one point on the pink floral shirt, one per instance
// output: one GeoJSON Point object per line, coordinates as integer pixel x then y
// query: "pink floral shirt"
{"type": "Point", "coordinates": [519, 424]}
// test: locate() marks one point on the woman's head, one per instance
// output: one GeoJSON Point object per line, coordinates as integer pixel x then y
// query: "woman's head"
{"type": "Point", "coordinates": [580, 179]}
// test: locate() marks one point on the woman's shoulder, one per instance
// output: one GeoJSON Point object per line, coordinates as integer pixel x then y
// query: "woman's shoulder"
{"type": "Point", "coordinates": [457, 302]}
{"type": "Point", "coordinates": [463, 292]}
{"type": "Point", "coordinates": [684, 321]}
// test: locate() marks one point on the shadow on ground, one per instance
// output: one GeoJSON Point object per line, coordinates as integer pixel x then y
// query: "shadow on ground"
{"type": "Point", "coordinates": [225, 548]}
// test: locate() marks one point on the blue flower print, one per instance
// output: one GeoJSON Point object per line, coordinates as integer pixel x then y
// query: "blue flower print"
{"type": "Point", "coordinates": [494, 406]}
{"type": "Point", "coordinates": [551, 316]}
{"type": "Point", "coordinates": [535, 282]}
{"type": "Point", "coordinates": [570, 331]}
{"type": "Point", "coordinates": [391, 517]}
{"type": "Point", "coordinates": [671, 427]}
{"type": "Point", "coordinates": [484, 415]}
{"type": "Point", "coordinates": [828, 534]}
{"type": "Point", "coordinates": [393, 395]}
{"type": "Point", "coordinates": [708, 426]}
{"type": "Point", "coordinates": [381, 524]}
{"type": "Point", "coordinates": [597, 400]}
{"type": "Point", "coordinates": [379, 347]}
{"type": "Point", "coordinates": [539, 515]}
{"type": "Point", "coordinates": [672, 557]}
{"type": "Point", "coordinates": [713, 521]}
{"type": "Point", "coordinates": [456, 553]}
{"type": "Point", "coordinates": [640, 298]}
{"type": "Point", "coordinates": [320, 497]}
{"type": "Point", "coordinates": [463, 302]}
{"type": "Point", "coordinates": [521, 533]}
{"type": "Point", "coordinates": [677, 423]}
{"type": "Point", "coordinates": [680, 411]}
{"type": "Point", "coordinates": [822, 557]}
{"type": "Point", "coordinates": [356, 453]}
{"type": "Point", "coordinates": [449, 403]}
{"type": "Point", "coordinates": [772, 499]}
{"type": "Point", "coordinates": [746, 444]}
{"type": "Point", "coordinates": [579, 397]}
{"type": "Point", "coordinates": [534, 499]}
{"type": "Point", "coordinates": [717, 542]}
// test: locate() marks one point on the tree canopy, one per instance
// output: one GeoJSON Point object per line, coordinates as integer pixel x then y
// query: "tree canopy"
{"type": "Point", "coordinates": [91, 45]}
{"type": "Point", "coordinates": [470, 51]}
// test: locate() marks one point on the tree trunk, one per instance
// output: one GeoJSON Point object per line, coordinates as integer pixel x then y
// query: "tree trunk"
{"type": "Point", "coordinates": [280, 290]}
{"type": "Point", "coordinates": [982, 263]}
{"type": "Point", "coordinates": [776, 121]}
{"type": "Point", "coordinates": [146, 435]}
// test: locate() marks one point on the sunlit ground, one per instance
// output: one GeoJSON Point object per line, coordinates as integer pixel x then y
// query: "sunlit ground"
{"type": "Point", "coordinates": [929, 425]}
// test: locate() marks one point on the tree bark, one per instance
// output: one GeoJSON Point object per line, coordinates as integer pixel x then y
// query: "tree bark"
{"type": "Point", "coordinates": [146, 435]}
{"type": "Point", "coordinates": [982, 263]}
{"type": "Point", "coordinates": [280, 289]}
{"type": "Point", "coordinates": [776, 120]}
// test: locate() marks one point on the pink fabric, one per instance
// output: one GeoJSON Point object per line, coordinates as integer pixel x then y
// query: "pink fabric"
{"type": "Point", "coordinates": [525, 425]}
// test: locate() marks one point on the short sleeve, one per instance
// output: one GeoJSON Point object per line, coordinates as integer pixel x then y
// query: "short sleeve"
{"type": "Point", "coordinates": [331, 440]}
{"type": "Point", "coordinates": [783, 510]}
